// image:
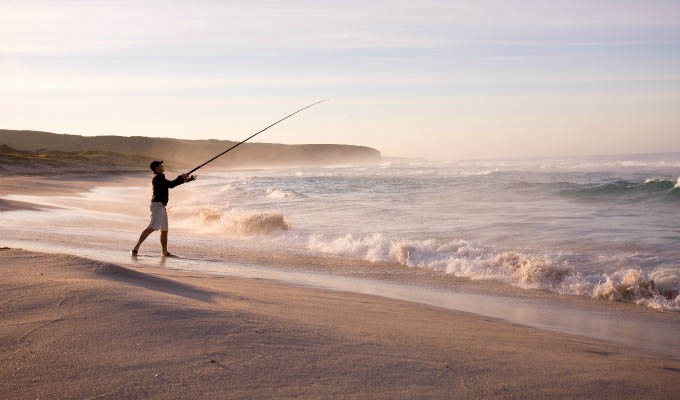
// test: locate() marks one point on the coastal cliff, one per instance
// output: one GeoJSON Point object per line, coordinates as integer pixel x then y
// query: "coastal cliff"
{"type": "Point", "coordinates": [184, 152]}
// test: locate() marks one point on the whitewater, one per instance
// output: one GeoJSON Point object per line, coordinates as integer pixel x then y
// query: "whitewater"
{"type": "Point", "coordinates": [601, 227]}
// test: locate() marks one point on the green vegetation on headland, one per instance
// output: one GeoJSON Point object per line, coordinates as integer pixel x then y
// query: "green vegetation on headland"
{"type": "Point", "coordinates": [13, 161]}
{"type": "Point", "coordinates": [45, 149]}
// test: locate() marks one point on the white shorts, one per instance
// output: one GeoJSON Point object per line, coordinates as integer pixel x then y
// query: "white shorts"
{"type": "Point", "coordinates": [159, 217]}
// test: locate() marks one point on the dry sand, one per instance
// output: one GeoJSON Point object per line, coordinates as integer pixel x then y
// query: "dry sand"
{"type": "Point", "coordinates": [76, 328]}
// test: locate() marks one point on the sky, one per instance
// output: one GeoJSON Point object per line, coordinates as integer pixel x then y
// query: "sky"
{"type": "Point", "coordinates": [444, 80]}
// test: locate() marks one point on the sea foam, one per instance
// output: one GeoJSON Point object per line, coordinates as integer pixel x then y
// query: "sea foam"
{"type": "Point", "coordinates": [658, 289]}
{"type": "Point", "coordinates": [229, 221]}
{"type": "Point", "coordinates": [279, 194]}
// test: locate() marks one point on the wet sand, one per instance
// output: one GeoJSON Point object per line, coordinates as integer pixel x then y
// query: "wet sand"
{"type": "Point", "coordinates": [64, 184]}
{"type": "Point", "coordinates": [10, 205]}
{"type": "Point", "coordinates": [73, 327]}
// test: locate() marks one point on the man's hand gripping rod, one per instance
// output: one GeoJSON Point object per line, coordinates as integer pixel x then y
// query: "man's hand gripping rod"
{"type": "Point", "coordinates": [193, 177]}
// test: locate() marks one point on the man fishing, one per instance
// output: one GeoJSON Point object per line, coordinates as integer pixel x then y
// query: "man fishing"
{"type": "Point", "coordinates": [159, 216]}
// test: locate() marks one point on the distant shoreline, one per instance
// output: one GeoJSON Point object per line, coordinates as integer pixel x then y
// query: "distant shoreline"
{"type": "Point", "coordinates": [137, 151]}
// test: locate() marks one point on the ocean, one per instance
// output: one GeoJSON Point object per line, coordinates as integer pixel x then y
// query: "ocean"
{"type": "Point", "coordinates": [603, 227]}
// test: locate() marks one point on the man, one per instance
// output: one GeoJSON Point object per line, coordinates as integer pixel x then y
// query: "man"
{"type": "Point", "coordinates": [159, 216]}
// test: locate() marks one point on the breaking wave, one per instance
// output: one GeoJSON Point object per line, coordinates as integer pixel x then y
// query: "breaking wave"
{"type": "Point", "coordinates": [651, 188]}
{"type": "Point", "coordinates": [480, 173]}
{"type": "Point", "coordinates": [212, 220]}
{"type": "Point", "coordinates": [658, 289]}
{"type": "Point", "coordinates": [280, 194]}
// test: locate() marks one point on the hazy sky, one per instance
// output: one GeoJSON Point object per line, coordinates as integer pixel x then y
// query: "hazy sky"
{"type": "Point", "coordinates": [440, 79]}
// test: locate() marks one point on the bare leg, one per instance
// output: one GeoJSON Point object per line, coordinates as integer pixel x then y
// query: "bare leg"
{"type": "Point", "coordinates": [145, 233]}
{"type": "Point", "coordinates": [164, 242]}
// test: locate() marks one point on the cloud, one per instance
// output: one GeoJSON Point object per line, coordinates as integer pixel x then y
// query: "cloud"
{"type": "Point", "coordinates": [102, 26]}
{"type": "Point", "coordinates": [170, 65]}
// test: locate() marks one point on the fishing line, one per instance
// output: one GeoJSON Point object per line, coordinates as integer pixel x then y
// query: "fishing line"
{"type": "Point", "coordinates": [250, 137]}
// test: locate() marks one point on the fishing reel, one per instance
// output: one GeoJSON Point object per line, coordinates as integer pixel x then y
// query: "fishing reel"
{"type": "Point", "coordinates": [192, 178]}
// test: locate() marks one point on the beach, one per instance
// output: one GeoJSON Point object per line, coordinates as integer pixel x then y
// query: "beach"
{"type": "Point", "coordinates": [77, 328]}
{"type": "Point", "coordinates": [244, 316]}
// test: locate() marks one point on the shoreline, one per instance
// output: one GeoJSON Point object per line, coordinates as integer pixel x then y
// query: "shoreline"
{"type": "Point", "coordinates": [122, 332]}
{"type": "Point", "coordinates": [617, 323]}
{"type": "Point", "coordinates": [240, 252]}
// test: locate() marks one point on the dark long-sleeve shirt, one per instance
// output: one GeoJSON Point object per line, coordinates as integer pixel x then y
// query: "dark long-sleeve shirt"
{"type": "Point", "coordinates": [161, 186]}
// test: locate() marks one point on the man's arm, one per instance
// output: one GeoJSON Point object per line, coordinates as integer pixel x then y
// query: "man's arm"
{"type": "Point", "coordinates": [176, 182]}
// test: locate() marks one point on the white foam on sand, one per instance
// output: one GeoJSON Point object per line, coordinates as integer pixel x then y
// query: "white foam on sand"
{"type": "Point", "coordinates": [658, 288]}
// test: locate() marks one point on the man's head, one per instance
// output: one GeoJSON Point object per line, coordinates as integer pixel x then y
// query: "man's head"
{"type": "Point", "coordinates": [157, 167]}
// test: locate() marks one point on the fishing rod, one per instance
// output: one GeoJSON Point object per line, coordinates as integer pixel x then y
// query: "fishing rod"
{"type": "Point", "coordinates": [192, 177]}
